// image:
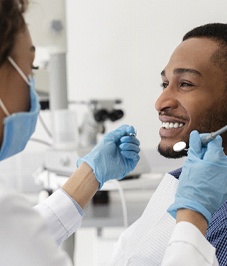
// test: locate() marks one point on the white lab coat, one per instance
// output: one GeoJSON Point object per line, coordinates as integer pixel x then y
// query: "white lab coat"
{"type": "Point", "coordinates": [25, 239]}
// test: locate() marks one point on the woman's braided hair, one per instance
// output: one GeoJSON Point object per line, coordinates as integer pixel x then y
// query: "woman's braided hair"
{"type": "Point", "coordinates": [11, 22]}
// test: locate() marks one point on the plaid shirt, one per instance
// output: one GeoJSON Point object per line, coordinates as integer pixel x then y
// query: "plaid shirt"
{"type": "Point", "coordinates": [217, 231]}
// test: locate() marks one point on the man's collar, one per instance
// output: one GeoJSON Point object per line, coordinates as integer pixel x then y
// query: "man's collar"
{"type": "Point", "coordinates": [176, 173]}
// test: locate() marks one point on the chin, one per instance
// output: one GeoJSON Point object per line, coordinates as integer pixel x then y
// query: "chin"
{"type": "Point", "coordinates": [168, 152]}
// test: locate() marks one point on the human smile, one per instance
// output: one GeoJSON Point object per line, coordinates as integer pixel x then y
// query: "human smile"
{"type": "Point", "coordinates": [170, 125]}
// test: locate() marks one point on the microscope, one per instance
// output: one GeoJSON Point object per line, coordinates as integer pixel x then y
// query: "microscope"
{"type": "Point", "coordinates": [94, 121]}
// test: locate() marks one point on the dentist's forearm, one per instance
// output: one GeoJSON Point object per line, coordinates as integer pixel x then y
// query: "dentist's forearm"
{"type": "Point", "coordinates": [82, 185]}
{"type": "Point", "coordinates": [193, 217]}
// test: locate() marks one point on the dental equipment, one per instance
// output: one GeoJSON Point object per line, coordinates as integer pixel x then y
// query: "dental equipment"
{"type": "Point", "coordinates": [94, 121]}
{"type": "Point", "coordinates": [132, 134]}
{"type": "Point", "coordinates": [181, 145]}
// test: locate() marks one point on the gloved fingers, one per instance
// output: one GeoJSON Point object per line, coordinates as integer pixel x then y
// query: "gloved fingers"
{"type": "Point", "coordinates": [195, 146]}
{"type": "Point", "coordinates": [118, 133]}
{"type": "Point", "coordinates": [129, 147]}
{"type": "Point", "coordinates": [131, 129]}
{"type": "Point", "coordinates": [130, 139]}
{"type": "Point", "coordinates": [215, 152]}
{"type": "Point", "coordinates": [214, 143]}
{"type": "Point", "coordinates": [131, 155]}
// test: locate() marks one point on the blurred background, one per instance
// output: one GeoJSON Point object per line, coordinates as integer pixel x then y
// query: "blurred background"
{"type": "Point", "coordinates": [100, 61]}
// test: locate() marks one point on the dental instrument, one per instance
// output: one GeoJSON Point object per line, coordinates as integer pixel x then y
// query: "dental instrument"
{"type": "Point", "coordinates": [213, 135]}
{"type": "Point", "coordinates": [181, 145]}
{"type": "Point", "coordinates": [132, 134]}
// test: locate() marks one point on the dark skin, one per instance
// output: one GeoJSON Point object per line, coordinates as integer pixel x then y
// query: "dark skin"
{"type": "Point", "coordinates": [194, 97]}
{"type": "Point", "coordinates": [194, 94]}
{"type": "Point", "coordinates": [13, 89]}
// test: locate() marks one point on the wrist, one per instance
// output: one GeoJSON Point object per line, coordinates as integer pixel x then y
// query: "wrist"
{"type": "Point", "coordinates": [82, 185]}
{"type": "Point", "coordinates": [192, 217]}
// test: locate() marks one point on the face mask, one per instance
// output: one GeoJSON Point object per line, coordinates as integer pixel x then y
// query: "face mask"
{"type": "Point", "coordinates": [19, 127]}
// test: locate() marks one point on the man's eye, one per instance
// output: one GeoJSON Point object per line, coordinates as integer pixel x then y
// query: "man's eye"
{"type": "Point", "coordinates": [185, 84]}
{"type": "Point", "coordinates": [164, 85]}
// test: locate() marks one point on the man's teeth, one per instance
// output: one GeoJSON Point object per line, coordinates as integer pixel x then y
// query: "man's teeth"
{"type": "Point", "coordinates": [172, 125]}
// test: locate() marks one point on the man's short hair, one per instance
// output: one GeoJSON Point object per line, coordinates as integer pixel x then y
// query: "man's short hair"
{"type": "Point", "coordinates": [218, 33]}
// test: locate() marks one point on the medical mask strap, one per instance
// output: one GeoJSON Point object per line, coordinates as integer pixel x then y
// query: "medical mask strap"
{"type": "Point", "coordinates": [19, 70]}
{"type": "Point", "coordinates": [4, 108]}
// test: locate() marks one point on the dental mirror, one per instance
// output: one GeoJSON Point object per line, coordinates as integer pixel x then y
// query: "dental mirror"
{"type": "Point", "coordinates": [179, 146]}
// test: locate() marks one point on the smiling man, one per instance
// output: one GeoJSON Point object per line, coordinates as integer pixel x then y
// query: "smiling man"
{"type": "Point", "coordinates": [194, 97]}
{"type": "Point", "coordinates": [194, 92]}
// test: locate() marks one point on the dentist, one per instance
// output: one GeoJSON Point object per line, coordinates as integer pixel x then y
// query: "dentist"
{"type": "Point", "coordinates": [31, 236]}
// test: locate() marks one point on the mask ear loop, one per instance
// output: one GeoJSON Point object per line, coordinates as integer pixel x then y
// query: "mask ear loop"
{"type": "Point", "coordinates": [4, 108]}
{"type": "Point", "coordinates": [13, 63]}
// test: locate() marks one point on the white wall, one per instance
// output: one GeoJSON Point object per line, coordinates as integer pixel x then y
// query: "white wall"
{"type": "Point", "coordinates": [117, 49]}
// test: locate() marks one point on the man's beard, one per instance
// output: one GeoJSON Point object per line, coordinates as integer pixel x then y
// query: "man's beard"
{"type": "Point", "coordinates": [168, 152]}
{"type": "Point", "coordinates": [207, 124]}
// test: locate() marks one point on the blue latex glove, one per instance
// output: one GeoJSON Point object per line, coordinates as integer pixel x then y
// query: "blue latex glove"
{"type": "Point", "coordinates": [115, 156]}
{"type": "Point", "coordinates": [203, 181]}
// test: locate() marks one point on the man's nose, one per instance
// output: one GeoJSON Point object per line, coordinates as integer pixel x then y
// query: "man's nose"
{"type": "Point", "coordinates": [167, 100]}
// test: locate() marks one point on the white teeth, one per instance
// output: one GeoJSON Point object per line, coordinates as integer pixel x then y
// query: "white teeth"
{"type": "Point", "coordinates": [171, 125]}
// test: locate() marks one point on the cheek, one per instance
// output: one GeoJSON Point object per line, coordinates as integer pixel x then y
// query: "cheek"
{"type": "Point", "coordinates": [24, 99]}
{"type": "Point", "coordinates": [197, 106]}
{"type": "Point", "coordinates": [199, 111]}
{"type": "Point", "coordinates": [207, 117]}
{"type": "Point", "coordinates": [19, 98]}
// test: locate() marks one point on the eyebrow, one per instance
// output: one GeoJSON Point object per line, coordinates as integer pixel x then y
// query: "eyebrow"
{"type": "Point", "coordinates": [183, 70]}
